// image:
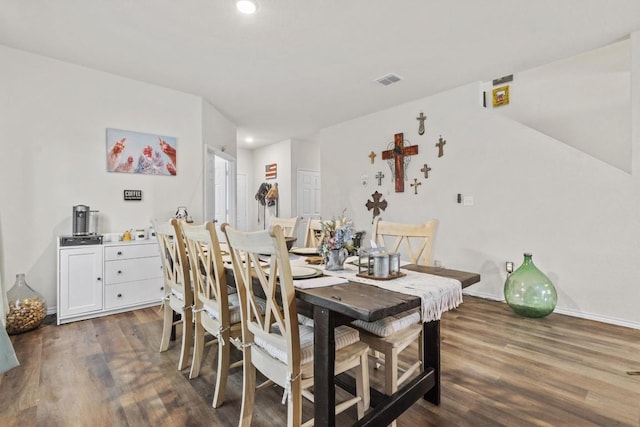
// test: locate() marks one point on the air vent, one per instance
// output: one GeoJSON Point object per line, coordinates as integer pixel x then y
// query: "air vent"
{"type": "Point", "coordinates": [388, 79]}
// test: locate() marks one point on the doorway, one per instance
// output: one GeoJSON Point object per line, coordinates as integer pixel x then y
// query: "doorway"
{"type": "Point", "coordinates": [219, 188]}
{"type": "Point", "coordinates": [309, 186]}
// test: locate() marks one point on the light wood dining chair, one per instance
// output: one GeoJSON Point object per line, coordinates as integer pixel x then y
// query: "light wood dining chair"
{"type": "Point", "coordinates": [177, 287]}
{"type": "Point", "coordinates": [413, 240]}
{"type": "Point", "coordinates": [215, 311]}
{"type": "Point", "coordinates": [278, 346]}
{"type": "Point", "coordinates": [313, 235]}
{"type": "Point", "coordinates": [289, 225]}
{"type": "Point", "coordinates": [391, 335]}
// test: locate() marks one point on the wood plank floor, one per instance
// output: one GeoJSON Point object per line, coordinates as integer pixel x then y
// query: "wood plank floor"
{"type": "Point", "coordinates": [498, 370]}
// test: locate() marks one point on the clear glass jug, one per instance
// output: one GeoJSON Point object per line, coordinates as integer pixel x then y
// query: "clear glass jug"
{"type": "Point", "coordinates": [27, 308]}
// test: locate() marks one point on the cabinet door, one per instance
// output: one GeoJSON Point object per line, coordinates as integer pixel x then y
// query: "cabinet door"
{"type": "Point", "coordinates": [80, 288]}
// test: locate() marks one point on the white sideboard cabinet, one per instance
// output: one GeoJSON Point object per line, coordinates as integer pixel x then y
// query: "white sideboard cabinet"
{"type": "Point", "coordinates": [97, 280]}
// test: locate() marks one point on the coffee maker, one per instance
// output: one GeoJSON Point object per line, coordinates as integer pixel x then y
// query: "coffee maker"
{"type": "Point", "coordinates": [82, 234]}
{"type": "Point", "coordinates": [81, 220]}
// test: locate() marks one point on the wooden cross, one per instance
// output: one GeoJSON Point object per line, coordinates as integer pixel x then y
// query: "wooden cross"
{"type": "Point", "coordinates": [440, 146]}
{"type": "Point", "coordinates": [379, 177]}
{"type": "Point", "coordinates": [376, 204]}
{"type": "Point", "coordinates": [397, 153]}
{"type": "Point", "coordinates": [421, 118]}
{"type": "Point", "coordinates": [372, 156]}
{"type": "Point", "coordinates": [415, 185]}
{"type": "Point", "coordinates": [426, 170]}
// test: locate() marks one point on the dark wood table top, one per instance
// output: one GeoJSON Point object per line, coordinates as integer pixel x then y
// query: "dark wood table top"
{"type": "Point", "coordinates": [370, 303]}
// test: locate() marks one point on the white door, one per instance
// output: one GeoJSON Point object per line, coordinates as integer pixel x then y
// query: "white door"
{"type": "Point", "coordinates": [242, 219]}
{"type": "Point", "coordinates": [80, 286]}
{"type": "Point", "coordinates": [308, 200]}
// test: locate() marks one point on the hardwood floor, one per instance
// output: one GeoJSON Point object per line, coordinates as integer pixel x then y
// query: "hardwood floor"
{"type": "Point", "coordinates": [498, 370]}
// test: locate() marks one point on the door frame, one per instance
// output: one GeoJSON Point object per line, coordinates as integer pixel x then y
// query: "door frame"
{"type": "Point", "coordinates": [209, 187]}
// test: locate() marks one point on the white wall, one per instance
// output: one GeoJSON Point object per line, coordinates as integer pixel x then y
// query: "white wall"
{"type": "Point", "coordinates": [583, 101]}
{"type": "Point", "coordinates": [53, 117]}
{"type": "Point", "coordinates": [575, 213]}
{"type": "Point", "coordinates": [279, 153]}
{"type": "Point", "coordinates": [304, 155]}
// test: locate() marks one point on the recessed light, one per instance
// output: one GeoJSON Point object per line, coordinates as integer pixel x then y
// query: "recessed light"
{"type": "Point", "coordinates": [248, 139]}
{"type": "Point", "coordinates": [247, 6]}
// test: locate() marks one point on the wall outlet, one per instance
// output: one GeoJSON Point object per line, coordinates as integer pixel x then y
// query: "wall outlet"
{"type": "Point", "coordinates": [467, 201]}
{"type": "Point", "coordinates": [508, 266]}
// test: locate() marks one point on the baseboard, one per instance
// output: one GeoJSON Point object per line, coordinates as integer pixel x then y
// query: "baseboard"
{"type": "Point", "coordinates": [565, 311]}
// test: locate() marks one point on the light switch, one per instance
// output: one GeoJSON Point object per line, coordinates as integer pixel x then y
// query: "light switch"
{"type": "Point", "coordinates": [467, 201]}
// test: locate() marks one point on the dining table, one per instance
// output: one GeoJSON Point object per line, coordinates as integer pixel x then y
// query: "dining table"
{"type": "Point", "coordinates": [336, 305]}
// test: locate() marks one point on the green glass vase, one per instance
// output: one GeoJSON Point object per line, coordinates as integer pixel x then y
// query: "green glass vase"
{"type": "Point", "coordinates": [529, 292]}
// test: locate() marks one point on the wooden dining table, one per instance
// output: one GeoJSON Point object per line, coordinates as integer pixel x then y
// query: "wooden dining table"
{"type": "Point", "coordinates": [332, 306]}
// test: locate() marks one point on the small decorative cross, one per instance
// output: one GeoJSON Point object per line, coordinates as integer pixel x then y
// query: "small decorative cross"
{"type": "Point", "coordinates": [421, 118]}
{"type": "Point", "coordinates": [379, 177]}
{"type": "Point", "coordinates": [440, 146]}
{"type": "Point", "coordinates": [376, 204]}
{"type": "Point", "coordinates": [426, 170]}
{"type": "Point", "coordinates": [372, 156]}
{"type": "Point", "coordinates": [415, 185]}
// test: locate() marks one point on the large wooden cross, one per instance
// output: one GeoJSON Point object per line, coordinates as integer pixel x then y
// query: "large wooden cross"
{"type": "Point", "coordinates": [398, 153]}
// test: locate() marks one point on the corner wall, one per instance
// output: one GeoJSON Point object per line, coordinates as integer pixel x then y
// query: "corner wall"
{"type": "Point", "coordinates": [53, 120]}
{"type": "Point", "coordinates": [576, 214]}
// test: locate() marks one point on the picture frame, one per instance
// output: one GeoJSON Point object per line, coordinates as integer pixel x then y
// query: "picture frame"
{"type": "Point", "coordinates": [501, 95]}
{"type": "Point", "coordinates": [141, 153]}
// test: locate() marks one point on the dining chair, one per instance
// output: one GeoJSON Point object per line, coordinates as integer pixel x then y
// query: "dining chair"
{"type": "Point", "coordinates": [278, 346]}
{"type": "Point", "coordinates": [215, 310]}
{"type": "Point", "coordinates": [289, 225]}
{"type": "Point", "coordinates": [391, 335]}
{"type": "Point", "coordinates": [178, 294]}
{"type": "Point", "coordinates": [313, 235]}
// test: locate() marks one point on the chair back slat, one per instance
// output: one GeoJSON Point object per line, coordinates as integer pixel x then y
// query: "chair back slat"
{"type": "Point", "coordinates": [413, 240]}
{"type": "Point", "coordinates": [313, 236]}
{"type": "Point", "coordinates": [278, 325]}
{"type": "Point", "coordinates": [289, 225]}
{"type": "Point", "coordinates": [175, 264]}
{"type": "Point", "coordinates": [207, 268]}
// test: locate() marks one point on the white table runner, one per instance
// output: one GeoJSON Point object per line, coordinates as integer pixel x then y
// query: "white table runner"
{"type": "Point", "coordinates": [438, 294]}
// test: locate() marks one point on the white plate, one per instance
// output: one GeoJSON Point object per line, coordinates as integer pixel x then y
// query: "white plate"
{"type": "Point", "coordinates": [304, 251]}
{"type": "Point", "coordinates": [303, 272]}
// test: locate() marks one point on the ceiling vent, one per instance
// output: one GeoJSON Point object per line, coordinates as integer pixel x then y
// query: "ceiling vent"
{"type": "Point", "coordinates": [388, 79]}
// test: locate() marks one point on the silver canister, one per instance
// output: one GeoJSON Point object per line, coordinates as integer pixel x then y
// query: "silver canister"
{"type": "Point", "coordinates": [394, 263]}
{"type": "Point", "coordinates": [381, 265]}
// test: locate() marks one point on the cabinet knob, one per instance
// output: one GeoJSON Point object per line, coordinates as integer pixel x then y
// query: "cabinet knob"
{"type": "Point", "coordinates": [119, 253]}
{"type": "Point", "coordinates": [119, 295]}
{"type": "Point", "coordinates": [119, 271]}
{"type": "Point", "coordinates": [99, 278]}
{"type": "Point", "coordinates": [162, 288]}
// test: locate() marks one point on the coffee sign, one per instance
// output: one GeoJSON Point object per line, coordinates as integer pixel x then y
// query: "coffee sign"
{"type": "Point", "coordinates": [133, 195]}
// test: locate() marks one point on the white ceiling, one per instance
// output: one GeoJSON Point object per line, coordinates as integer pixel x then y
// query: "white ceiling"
{"type": "Point", "coordinates": [297, 66]}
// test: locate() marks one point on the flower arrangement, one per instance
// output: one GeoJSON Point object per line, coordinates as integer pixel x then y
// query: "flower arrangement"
{"type": "Point", "coordinates": [337, 234]}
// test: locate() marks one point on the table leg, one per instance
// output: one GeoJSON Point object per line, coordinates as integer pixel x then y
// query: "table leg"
{"type": "Point", "coordinates": [431, 354]}
{"type": "Point", "coordinates": [324, 367]}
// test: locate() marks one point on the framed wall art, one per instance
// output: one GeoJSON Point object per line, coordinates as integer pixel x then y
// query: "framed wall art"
{"type": "Point", "coordinates": [143, 153]}
{"type": "Point", "coordinates": [501, 95]}
{"type": "Point", "coordinates": [271, 171]}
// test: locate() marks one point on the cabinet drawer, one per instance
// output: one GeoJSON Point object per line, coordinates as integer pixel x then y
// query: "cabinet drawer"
{"type": "Point", "coordinates": [129, 270]}
{"type": "Point", "coordinates": [133, 293]}
{"type": "Point", "coordinates": [112, 253]}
